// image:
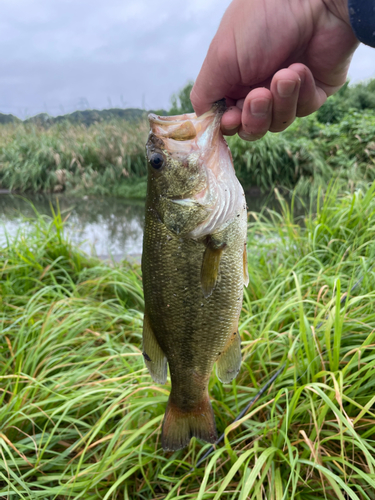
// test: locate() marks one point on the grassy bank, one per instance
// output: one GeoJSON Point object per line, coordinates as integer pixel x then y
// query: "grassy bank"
{"type": "Point", "coordinates": [80, 417]}
{"type": "Point", "coordinates": [107, 158]}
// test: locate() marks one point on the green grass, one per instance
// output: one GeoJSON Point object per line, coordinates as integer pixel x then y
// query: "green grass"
{"type": "Point", "coordinates": [108, 158]}
{"type": "Point", "coordinates": [80, 417]}
{"type": "Point", "coordinates": [104, 159]}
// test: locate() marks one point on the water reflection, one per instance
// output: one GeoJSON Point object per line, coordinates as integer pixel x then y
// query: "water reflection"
{"type": "Point", "coordinates": [101, 226]}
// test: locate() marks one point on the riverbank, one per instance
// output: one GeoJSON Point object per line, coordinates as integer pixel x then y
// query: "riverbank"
{"type": "Point", "coordinates": [108, 159]}
{"type": "Point", "coordinates": [105, 226]}
{"type": "Point", "coordinates": [80, 417]}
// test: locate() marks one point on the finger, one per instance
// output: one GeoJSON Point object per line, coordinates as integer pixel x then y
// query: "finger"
{"type": "Point", "coordinates": [285, 87]}
{"type": "Point", "coordinates": [231, 121]}
{"type": "Point", "coordinates": [256, 114]}
{"type": "Point", "coordinates": [311, 96]}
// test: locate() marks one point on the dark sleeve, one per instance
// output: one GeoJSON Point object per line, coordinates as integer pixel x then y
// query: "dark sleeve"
{"type": "Point", "coordinates": [362, 19]}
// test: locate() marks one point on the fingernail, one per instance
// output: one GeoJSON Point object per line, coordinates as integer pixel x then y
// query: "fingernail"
{"type": "Point", "coordinates": [248, 137]}
{"type": "Point", "coordinates": [239, 103]}
{"type": "Point", "coordinates": [260, 107]}
{"type": "Point", "coordinates": [285, 88]}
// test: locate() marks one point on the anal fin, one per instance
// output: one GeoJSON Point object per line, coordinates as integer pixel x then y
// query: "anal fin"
{"type": "Point", "coordinates": [229, 363]}
{"type": "Point", "coordinates": [154, 357]}
{"type": "Point", "coordinates": [210, 268]}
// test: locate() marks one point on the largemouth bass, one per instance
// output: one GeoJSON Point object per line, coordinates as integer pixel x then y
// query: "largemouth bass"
{"type": "Point", "coordinates": [194, 267]}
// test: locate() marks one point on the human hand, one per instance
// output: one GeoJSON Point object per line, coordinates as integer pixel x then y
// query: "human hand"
{"type": "Point", "coordinates": [274, 60]}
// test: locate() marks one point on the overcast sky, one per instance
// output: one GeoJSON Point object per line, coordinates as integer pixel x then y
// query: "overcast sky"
{"type": "Point", "coordinates": [61, 55]}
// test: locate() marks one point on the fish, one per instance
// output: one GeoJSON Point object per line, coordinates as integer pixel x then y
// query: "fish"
{"type": "Point", "coordinates": [194, 268]}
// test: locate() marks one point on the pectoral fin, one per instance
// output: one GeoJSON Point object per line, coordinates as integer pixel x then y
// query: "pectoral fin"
{"type": "Point", "coordinates": [245, 267]}
{"type": "Point", "coordinates": [210, 269]}
{"type": "Point", "coordinates": [154, 357]}
{"type": "Point", "coordinates": [229, 363]}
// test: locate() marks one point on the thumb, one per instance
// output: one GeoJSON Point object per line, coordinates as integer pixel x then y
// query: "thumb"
{"type": "Point", "coordinates": [211, 84]}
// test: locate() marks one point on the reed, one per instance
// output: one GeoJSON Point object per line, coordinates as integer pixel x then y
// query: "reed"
{"type": "Point", "coordinates": [107, 158]}
{"type": "Point", "coordinates": [80, 417]}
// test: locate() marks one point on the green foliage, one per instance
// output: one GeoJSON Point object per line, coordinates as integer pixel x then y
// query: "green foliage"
{"type": "Point", "coordinates": [85, 117]}
{"type": "Point", "coordinates": [88, 117]}
{"type": "Point", "coordinates": [356, 98]}
{"type": "Point", "coordinates": [309, 155]}
{"type": "Point", "coordinates": [6, 119]}
{"type": "Point", "coordinates": [332, 110]}
{"type": "Point", "coordinates": [105, 158]}
{"type": "Point", "coordinates": [181, 101]}
{"type": "Point", "coordinates": [361, 96]}
{"type": "Point", "coordinates": [80, 417]}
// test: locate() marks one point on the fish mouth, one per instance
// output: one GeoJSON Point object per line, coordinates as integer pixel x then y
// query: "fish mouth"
{"type": "Point", "coordinates": [188, 126]}
{"type": "Point", "coordinates": [217, 109]}
{"type": "Point", "coordinates": [170, 120]}
{"type": "Point", "coordinates": [178, 128]}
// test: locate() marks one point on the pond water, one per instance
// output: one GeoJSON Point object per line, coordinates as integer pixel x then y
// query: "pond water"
{"type": "Point", "coordinates": [106, 227]}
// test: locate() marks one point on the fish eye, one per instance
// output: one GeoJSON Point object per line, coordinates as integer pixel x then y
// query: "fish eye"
{"type": "Point", "coordinates": [157, 161]}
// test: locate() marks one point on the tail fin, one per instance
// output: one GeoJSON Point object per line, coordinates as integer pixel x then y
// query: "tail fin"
{"type": "Point", "coordinates": [180, 426]}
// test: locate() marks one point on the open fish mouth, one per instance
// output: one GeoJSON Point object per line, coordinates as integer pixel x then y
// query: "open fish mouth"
{"type": "Point", "coordinates": [168, 127]}
{"type": "Point", "coordinates": [171, 120]}
{"type": "Point", "coordinates": [217, 109]}
{"type": "Point", "coordinates": [189, 126]}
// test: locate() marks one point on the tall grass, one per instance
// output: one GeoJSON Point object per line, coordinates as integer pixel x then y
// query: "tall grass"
{"type": "Point", "coordinates": [80, 417]}
{"type": "Point", "coordinates": [107, 158]}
